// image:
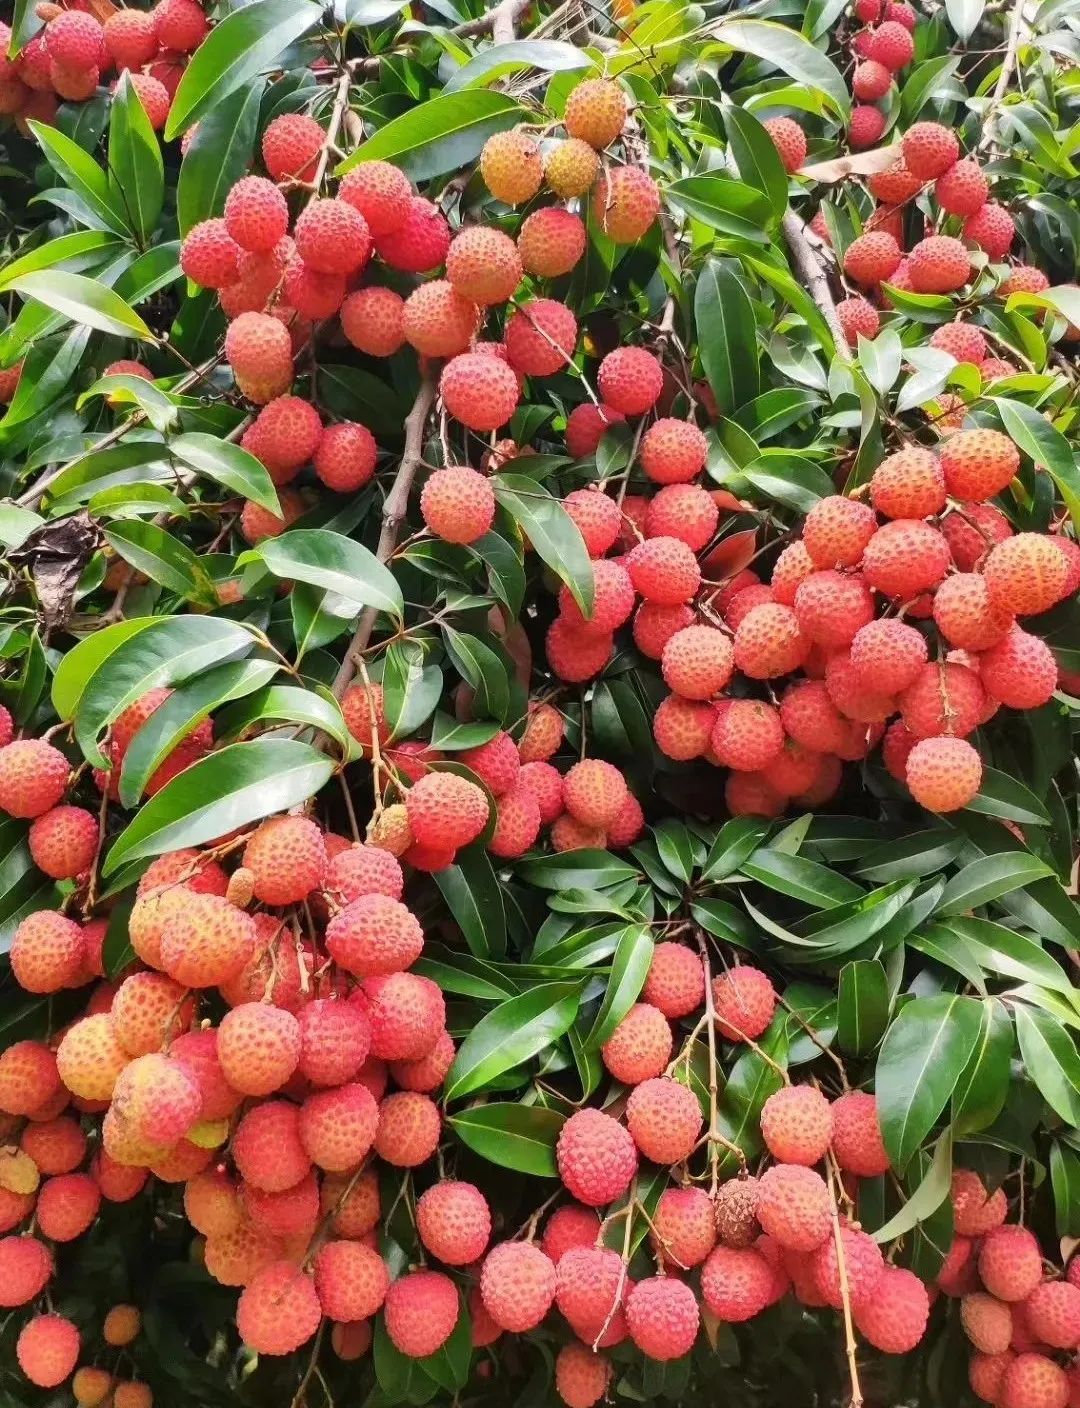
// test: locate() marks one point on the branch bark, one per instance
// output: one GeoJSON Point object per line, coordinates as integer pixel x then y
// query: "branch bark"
{"type": "Point", "coordinates": [1008, 65]}
{"type": "Point", "coordinates": [397, 501]}
{"type": "Point", "coordinates": [817, 285]}
{"type": "Point", "coordinates": [501, 20]}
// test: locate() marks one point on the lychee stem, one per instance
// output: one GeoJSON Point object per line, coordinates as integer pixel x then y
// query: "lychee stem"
{"type": "Point", "coordinates": [817, 284]}
{"type": "Point", "coordinates": [845, 1292]}
{"type": "Point", "coordinates": [628, 1229]}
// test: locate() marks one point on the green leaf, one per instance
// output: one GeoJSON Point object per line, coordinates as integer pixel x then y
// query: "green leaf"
{"type": "Point", "coordinates": [229, 788]}
{"type": "Point", "coordinates": [921, 81]}
{"type": "Point", "coordinates": [335, 563]}
{"type": "Point", "coordinates": [921, 1059]}
{"type": "Point", "coordinates": [576, 869]}
{"type": "Point", "coordinates": [82, 300]}
{"type": "Point", "coordinates": [218, 157]}
{"type": "Point", "coordinates": [756, 156]}
{"type": "Point", "coordinates": [1051, 1060]}
{"type": "Point", "coordinates": [988, 878]}
{"type": "Point", "coordinates": [1046, 446]}
{"type": "Point", "coordinates": [136, 170]}
{"type": "Point", "coordinates": [788, 51]}
{"type": "Point", "coordinates": [289, 703]}
{"type": "Point", "coordinates": [548, 55]}
{"type": "Point", "coordinates": [964, 16]}
{"type": "Point", "coordinates": [237, 49]}
{"type": "Point", "coordinates": [228, 464]}
{"type": "Point", "coordinates": [927, 1198]}
{"type": "Point", "coordinates": [1006, 954]}
{"type": "Point", "coordinates": [16, 524]}
{"type": "Point", "coordinates": [482, 669]}
{"type": "Point", "coordinates": [473, 895]}
{"type": "Point", "coordinates": [59, 251]}
{"type": "Point", "coordinates": [731, 207]}
{"type": "Point", "coordinates": [550, 529]}
{"type": "Point", "coordinates": [127, 390]}
{"type": "Point", "coordinates": [411, 688]}
{"type": "Point", "coordinates": [81, 174]}
{"type": "Point", "coordinates": [795, 481]}
{"type": "Point", "coordinates": [983, 1086]}
{"type": "Point", "coordinates": [802, 879]}
{"type": "Point", "coordinates": [81, 663]}
{"type": "Point", "coordinates": [163, 558]}
{"type": "Point", "coordinates": [1065, 1181]}
{"type": "Point", "coordinates": [629, 969]}
{"type": "Point", "coordinates": [863, 1012]}
{"type": "Point", "coordinates": [168, 651]}
{"type": "Point", "coordinates": [727, 336]}
{"type": "Point", "coordinates": [185, 708]}
{"type": "Point", "coordinates": [735, 842]}
{"type": "Point", "coordinates": [440, 135]}
{"type": "Point", "coordinates": [515, 1032]}
{"type": "Point", "coordinates": [1003, 796]}
{"type": "Point", "coordinates": [519, 1137]}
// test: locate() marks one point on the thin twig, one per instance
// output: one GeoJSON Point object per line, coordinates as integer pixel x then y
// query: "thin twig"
{"type": "Point", "coordinates": [1008, 64]}
{"type": "Point", "coordinates": [616, 1300]}
{"type": "Point", "coordinates": [714, 1095]}
{"type": "Point", "coordinates": [817, 285]}
{"type": "Point", "coordinates": [298, 1397]}
{"type": "Point", "coordinates": [845, 1294]}
{"type": "Point", "coordinates": [393, 512]}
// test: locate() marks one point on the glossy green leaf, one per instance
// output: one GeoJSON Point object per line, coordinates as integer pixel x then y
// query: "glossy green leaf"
{"type": "Point", "coordinates": [1046, 446]}
{"type": "Point", "coordinates": [161, 557]}
{"type": "Point", "coordinates": [1006, 797]}
{"type": "Point", "coordinates": [552, 532]}
{"type": "Point", "coordinates": [82, 662]}
{"type": "Point", "coordinates": [1051, 1059]}
{"type": "Point", "coordinates": [864, 1004]}
{"type": "Point", "coordinates": [515, 1032]}
{"type": "Point", "coordinates": [83, 300]}
{"type": "Point", "coordinates": [136, 170]}
{"type": "Point", "coordinates": [927, 1198]}
{"type": "Point", "coordinates": [921, 1059]}
{"type": "Point", "coordinates": [548, 55]}
{"type": "Point", "coordinates": [63, 249]}
{"type": "Point", "coordinates": [440, 135]}
{"type": "Point", "coordinates": [983, 1086]}
{"type": "Point", "coordinates": [1006, 954]}
{"type": "Point", "coordinates": [218, 156]}
{"type": "Point", "coordinates": [81, 174]}
{"type": "Point", "coordinates": [629, 969]}
{"type": "Point", "coordinates": [473, 895]}
{"type": "Point", "coordinates": [242, 45]}
{"type": "Point", "coordinates": [411, 688]}
{"type": "Point", "coordinates": [988, 878]}
{"type": "Point", "coordinates": [519, 1137]}
{"type": "Point", "coordinates": [756, 156]}
{"type": "Point", "coordinates": [229, 788]}
{"type": "Point", "coordinates": [287, 703]}
{"type": "Point", "coordinates": [788, 51]}
{"type": "Point", "coordinates": [337, 564]}
{"type": "Point", "coordinates": [732, 207]}
{"type": "Point", "coordinates": [231, 465]}
{"type": "Point", "coordinates": [727, 336]}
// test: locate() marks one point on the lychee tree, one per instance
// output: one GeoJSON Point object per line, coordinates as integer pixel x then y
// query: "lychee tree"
{"type": "Point", "coordinates": [539, 668]}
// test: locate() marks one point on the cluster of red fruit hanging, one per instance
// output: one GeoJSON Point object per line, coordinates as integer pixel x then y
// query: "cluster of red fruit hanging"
{"type": "Point", "coordinates": [74, 52]}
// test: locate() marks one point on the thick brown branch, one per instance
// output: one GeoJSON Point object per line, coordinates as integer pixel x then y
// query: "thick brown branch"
{"type": "Point", "coordinates": [817, 285]}
{"type": "Point", "coordinates": [397, 501]}
{"type": "Point", "coordinates": [501, 20]}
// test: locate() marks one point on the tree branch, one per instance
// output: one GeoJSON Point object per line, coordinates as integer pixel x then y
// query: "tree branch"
{"type": "Point", "coordinates": [397, 501]}
{"type": "Point", "coordinates": [1008, 64]}
{"type": "Point", "coordinates": [817, 285]}
{"type": "Point", "coordinates": [501, 20]}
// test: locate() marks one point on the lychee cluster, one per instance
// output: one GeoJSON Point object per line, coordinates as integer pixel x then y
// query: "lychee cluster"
{"type": "Point", "coordinates": [74, 53]}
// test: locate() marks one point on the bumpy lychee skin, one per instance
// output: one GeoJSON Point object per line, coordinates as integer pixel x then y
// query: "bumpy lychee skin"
{"type": "Point", "coordinates": [569, 1226]}
{"type": "Point", "coordinates": [905, 557]}
{"type": "Point", "coordinates": [258, 349]}
{"type": "Point", "coordinates": [870, 81]}
{"type": "Point", "coordinates": [966, 615]}
{"type": "Point", "coordinates": [420, 243]}
{"type": "Point", "coordinates": [374, 935]}
{"type": "Point", "coordinates": [291, 145]}
{"type": "Point", "coordinates": [66, 1206]}
{"type": "Point", "coordinates": [1027, 573]}
{"type": "Point", "coordinates": [747, 735]}
{"type": "Point", "coordinates": [407, 1014]}
{"type": "Point", "coordinates": [943, 699]}
{"type": "Point", "coordinates": [892, 46]}
{"type": "Point", "coordinates": [769, 642]}
{"type": "Point", "coordinates": [596, 1156]}
{"type": "Point", "coordinates": [894, 1318]}
{"type": "Point", "coordinates": [454, 1222]}
{"type": "Point", "coordinates": [683, 728]}
{"type": "Point", "coordinates": [675, 983]}
{"type": "Point", "coordinates": [630, 380]}
{"type": "Point", "coordinates": [25, 1268]}
{"type": "Point", "coordinates": [408, 1132]}
{"type": "Point", "coordinates": [961, 340]}
{"type": "Point", "coordinates": [209, 254]}
{"type": "Point", "coordinates": [594, 791]}
{"type": "Point", "coordinates": [421, 1311]}
{"type": "Point", "coordinates": [930, 149]}
{"type": "Point", "coordinates": [598, 520]}
{"type": "Point", "coordinates": [865, 129]}
{"type": "Point", "coordinates": [438, 320]}
{"type": "Point", "coordinates": [457, 504]}
{"type": "Point", "coordinates": [33, 777]}
{"type": "Point", "coordinates": [359, 870]}
{"type": "Point", "coordinates": [446, 811]}
{"type": "Point", "coordinates": [256, 215]}
{"type": "Point", "coordinates": [796, 1123]}
{"type": "Point", "coordinates": [975, 1211]}
{"type": "Point", "coordinates": [662, 1317]}
{"type": "Point", "coordinates": [992, 228]}
{"type": "Point", "coordinates": [939, 264]}
{"type": "Point", "coordinates": [856, 1135]}
{"type": "Point", "coordinates": [47, 1350]}
{"type": "Point", "coordinates": [585, 427]}
{"type": "Point", "coordinates": [480, 391]}
{"type": "Point", "coordinates": [736, 1212]}
{"type": "Point", "coordinates": [511, 166]}
{"type": "Point", "coordinates": [943, 774]}
{"type": "Point", "coordinates": [888, 654]}
{"type": "Point", "coordinates": [909, 484]}
{"type": "Point", "coordinates": [148, 1011]}
{"type": "Point", "coordinates": [540, 337]}
{"type": "Point", "coordinates": [664, 1119]}
{"type": "Point", "coordinates": [736, 1284]}
{"type": "Point", "coordinates": [381, 193]}
{"type": "Point", "coordinates": [978, 464]}
{"type": "Point", "coordinates": [63, 842]}
{"type": "Point", "coordinates": [345, 458]}
{"type": "Point", "coordinates": [684, 511]}
{"type": "Point", "coordinates": [673, 451]}
{"type": "Point", "coordinates": [684, 1227]}
{"type": "Point", "coordinates": [47, 952]}
{"type": "Point", "coordinates": [351, 1280]}
{"type": "Point", "coordinates": [278, 1310]}
{"type": "Point", "coordinates": [987, 1322]}
{"type": "Point", "coordinates": [589, 1287]}
{"type": "Point", "coordinates": [551, 241]}
{"type": "Point", "coordinates": [332, 237]}
{"type": "Point", "coordinates": [962, 189]}
{"type": "Point", "coordinates": [372, 318]}
{"type": "Point", "coordinates": [595, 112]}
{"type": "Point", "coordinates": [581, 1376]}
{"type": "Point", "coordinates": [789, 140]}
{"type": "Point", "coordinates": [1053, 1314]}
{"type": "Point", "coordinates": [863, 1266]}
{"type": "Point", "coordinates": [483, 264]}
{"type": "Point", "coordinates": [517, 1284]}
{"type": "Point", "coordinates": [287, 856]}
{"type": "Point", "coordinates": [1010, 1262]}
{"type": "Point", "coordinates": [1033, 1381]}
{"type": "Point", "coordinates": [744, 1001]}
{"type": "Point", "coordinates": [207, 942]}
{"type": "Point", "coordinates": [697, 662]}
{"type": "Point", "coordinates": [56, 1146]}
{"type": "Point", "coordinates": [871, 258]}
{"type": "Point", "coordinates": [1019, 671]}
{"type": "Point", "coordinates": [831, 607]}
{"type": "Point", "coordinates": [90, 1058]}
{"type": "Point", "coordinates": [794, 1207]}
{"type": "Point", "coordinates": [266, 1147]}
{"type": "Point", "coordinates": [664, 571]}
{"type": "Point", "coordinates": [857, 315]}
{"type": "Point", "coordinates": [258, 1047]}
